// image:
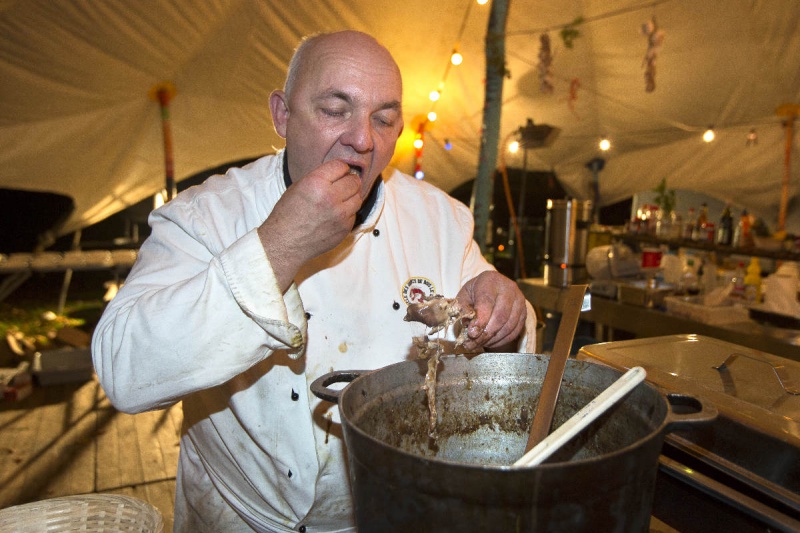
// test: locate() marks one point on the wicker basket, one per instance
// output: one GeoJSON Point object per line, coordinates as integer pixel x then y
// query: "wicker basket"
{"type": "Point", "coordinates": [90, 512]}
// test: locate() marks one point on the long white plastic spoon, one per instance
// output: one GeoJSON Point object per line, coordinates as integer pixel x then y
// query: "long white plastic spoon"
{"type": "Point", "coordinates": [583, 418]}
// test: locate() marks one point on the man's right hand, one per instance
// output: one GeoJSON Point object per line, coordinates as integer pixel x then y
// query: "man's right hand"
{"type": "Point", "coordinates": [312, 217]}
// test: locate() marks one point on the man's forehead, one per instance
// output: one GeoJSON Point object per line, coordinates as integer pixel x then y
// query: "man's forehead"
{"type": "Point", "coordinates": [353, 96]}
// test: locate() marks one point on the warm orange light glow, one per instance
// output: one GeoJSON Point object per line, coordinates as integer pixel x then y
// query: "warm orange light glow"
{"type": "Point", "coordinates": [456, 59]}
{"type": "Point", "coordinates": [500, 247]}
{"type": "Point", "coordinates": [432, 116]}
{"type": "Point", "coordinates": [605, 144]}
{"type": "Point", "coordinates": [418, 143]}
{"type": "Point", "coordinates": [435, 95]}
{"type": "Point", "coordinates": [513, 147]}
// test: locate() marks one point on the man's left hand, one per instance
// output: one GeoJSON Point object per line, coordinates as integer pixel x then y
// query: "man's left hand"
{"type": "Point", "coordinates": [500, 312]}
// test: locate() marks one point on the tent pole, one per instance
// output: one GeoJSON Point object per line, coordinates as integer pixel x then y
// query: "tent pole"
{"type": "Point", "coordinates": [163, 94]}
{"type": "Point", "coordinates": [790, 111]}
{"type": "Point", "coordinates": [493, 101]}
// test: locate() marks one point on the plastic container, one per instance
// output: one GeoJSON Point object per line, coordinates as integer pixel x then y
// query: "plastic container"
{"type": "Point", "coordinates": [689, 280]}
{"type": "Point", "coordinates": [738, 282]}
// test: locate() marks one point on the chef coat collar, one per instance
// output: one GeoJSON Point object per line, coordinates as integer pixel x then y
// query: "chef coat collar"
{"type": "Point", "coordinates": [366, 207]}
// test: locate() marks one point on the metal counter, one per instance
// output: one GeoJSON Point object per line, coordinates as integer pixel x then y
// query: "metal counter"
{"type": "Point", "coordinates": [609, 315]}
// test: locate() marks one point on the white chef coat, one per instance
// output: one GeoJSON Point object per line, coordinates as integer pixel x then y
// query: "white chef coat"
{"type": "Point", "coordinates": [201, 319]}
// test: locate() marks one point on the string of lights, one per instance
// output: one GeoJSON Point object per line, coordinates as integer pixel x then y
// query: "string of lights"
{"type": "Point", "coordinates": [455, 60]}
{"type": "Point", "coordinates": [603, 140]}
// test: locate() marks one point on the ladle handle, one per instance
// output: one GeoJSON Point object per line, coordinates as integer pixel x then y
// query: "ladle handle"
{"type": "Point", "coordinates": [577, 422]}
{"type": "Point", "coordinates": [543, 418]}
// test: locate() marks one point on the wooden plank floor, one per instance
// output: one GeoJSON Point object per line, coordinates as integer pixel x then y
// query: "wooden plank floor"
{"type": "Point", "coordinates": [68, 439]}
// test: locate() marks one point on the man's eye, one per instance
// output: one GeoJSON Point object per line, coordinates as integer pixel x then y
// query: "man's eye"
{"type": "Point", "coordinates": [384, 121]}
{"type": "Point", "coordinates": [333, 112]}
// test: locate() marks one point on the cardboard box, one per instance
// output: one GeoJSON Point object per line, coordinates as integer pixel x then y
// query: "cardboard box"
{"type": "Point", "coordinates": [67, 365]}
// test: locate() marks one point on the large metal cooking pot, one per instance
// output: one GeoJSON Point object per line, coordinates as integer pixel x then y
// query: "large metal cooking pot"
{"type": "Point", "coordinates": [404, 481]}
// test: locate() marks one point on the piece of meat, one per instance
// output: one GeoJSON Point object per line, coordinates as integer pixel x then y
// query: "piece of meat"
{"type": "Point", "coordinates": [438, 313]}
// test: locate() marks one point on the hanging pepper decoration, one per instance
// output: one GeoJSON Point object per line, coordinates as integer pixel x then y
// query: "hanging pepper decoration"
{"type": "Point", "coordinates": [545, 64]}
{"type": "Point", "coordinates": [574, 85]}
{"type": "Point", "coordinates": [655, 38]}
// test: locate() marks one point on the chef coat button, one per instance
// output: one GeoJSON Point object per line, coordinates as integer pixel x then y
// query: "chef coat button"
{"type": "Point", "coordinates": [295, 396]}
{"type": "Point", "coordinates": [302, 529]}
{"type": "Point", "coordinates": [308, 316]}
{"type": "Point", "coordinates": [376, 232]}
{"type": "Point", "coordinates": [395, 306]}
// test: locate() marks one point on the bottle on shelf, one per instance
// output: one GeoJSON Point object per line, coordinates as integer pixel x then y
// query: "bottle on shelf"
{"type": "Point", "coordinates": [752, 281]}
{"type": "Point", "coordinates": [691, 221]}
{"type": "Point", "coordinates": [725, 228]}
{"type": "Point", "coordinates": [701, 224]}
{"type": "Point", "coordinates": [742, 235]}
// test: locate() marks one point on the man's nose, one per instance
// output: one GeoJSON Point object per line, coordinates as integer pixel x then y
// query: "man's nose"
{"type": "Point", "coordinates": [359, 134]}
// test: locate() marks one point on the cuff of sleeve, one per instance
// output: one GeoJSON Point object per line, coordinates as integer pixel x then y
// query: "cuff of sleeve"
{"type": "Point", "coordinates": [527, 344]}
{"type": "Point", "coordinates": [255, 288]}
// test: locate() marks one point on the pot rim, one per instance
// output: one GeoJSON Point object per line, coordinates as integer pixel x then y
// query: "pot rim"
{"type": "Point", "coordinates": [658, 432]}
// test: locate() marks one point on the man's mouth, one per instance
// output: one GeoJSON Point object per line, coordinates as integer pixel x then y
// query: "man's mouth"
{"type": "Point", "coordinates": [355, 169]}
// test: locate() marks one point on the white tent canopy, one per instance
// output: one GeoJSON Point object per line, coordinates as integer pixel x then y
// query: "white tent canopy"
{"type": "Point", "coordinates": [76, 118]}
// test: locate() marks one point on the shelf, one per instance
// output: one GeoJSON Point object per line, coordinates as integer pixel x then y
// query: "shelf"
{"type": "Point", "coordinates": [628, 238]}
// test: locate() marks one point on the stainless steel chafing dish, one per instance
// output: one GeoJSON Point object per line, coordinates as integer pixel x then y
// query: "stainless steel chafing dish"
{"type": "Point", "coordinates": [741, 472]}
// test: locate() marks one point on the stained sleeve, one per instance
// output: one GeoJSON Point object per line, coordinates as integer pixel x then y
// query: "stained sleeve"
{"type": "Point", "coordinates": [190, 317]}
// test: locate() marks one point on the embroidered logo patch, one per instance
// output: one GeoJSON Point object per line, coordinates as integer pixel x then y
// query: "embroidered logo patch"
{"type": "Point", "coordinates": [415, 289]}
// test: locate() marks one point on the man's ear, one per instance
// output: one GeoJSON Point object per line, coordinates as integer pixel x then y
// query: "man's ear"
{"type": "Point", "coordinates": [279, 108]}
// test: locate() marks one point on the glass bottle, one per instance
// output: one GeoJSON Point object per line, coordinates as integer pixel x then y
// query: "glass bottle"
{"type": "Point", "coordinates": [700, 230]}
{"type": "Point", "coordinates": [725, 228]}
{"type": "Point", "coordinates": [691, 222]}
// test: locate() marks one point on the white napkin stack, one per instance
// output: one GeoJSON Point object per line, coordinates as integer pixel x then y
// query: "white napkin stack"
{"type": "Point", "coordinates": [780, 291]}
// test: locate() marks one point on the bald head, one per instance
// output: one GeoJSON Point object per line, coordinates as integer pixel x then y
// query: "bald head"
{"type": "Point", "coordinates": [337, 42]}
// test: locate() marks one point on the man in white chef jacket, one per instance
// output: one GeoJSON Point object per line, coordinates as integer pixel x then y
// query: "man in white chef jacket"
{"type": "Point", "coordinates": [257, 282]}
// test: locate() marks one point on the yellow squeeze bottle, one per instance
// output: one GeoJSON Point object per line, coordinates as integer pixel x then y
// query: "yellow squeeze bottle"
{"type": "Point", "coordinates": [752, 281]}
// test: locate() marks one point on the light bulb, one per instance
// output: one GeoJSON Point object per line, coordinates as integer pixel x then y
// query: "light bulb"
{"type": "Point", "coordinates": [432, 116]}
{"type": "Point", "coordinates": [434, 96]}
{"type": "Point", "coordinates": [482, 2]}
{"type": "Point", "coordinates": [456, 58]}
{"type": "Point", "coordinates": [419, 174]}
{"type": "Point", "coordinates": [418, 143]}
{"type": "Point", "coordinates": [708, 136]}
{"type": "Point", "coordinates": [513, 147]}
{"type": "Point", "coordinates": [605, 144]}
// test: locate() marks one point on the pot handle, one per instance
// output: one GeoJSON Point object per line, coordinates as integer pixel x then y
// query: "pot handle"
{"type": "Point", "coordinates": [320, 385]}
{"type": "Point", "coordinates": [687, 411]}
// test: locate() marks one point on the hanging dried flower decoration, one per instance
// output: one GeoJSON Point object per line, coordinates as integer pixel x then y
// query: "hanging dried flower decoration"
{"type": "Point", "coordinates": [655, 38]}
{"type": "Point", "coordinates": [545, 64]}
